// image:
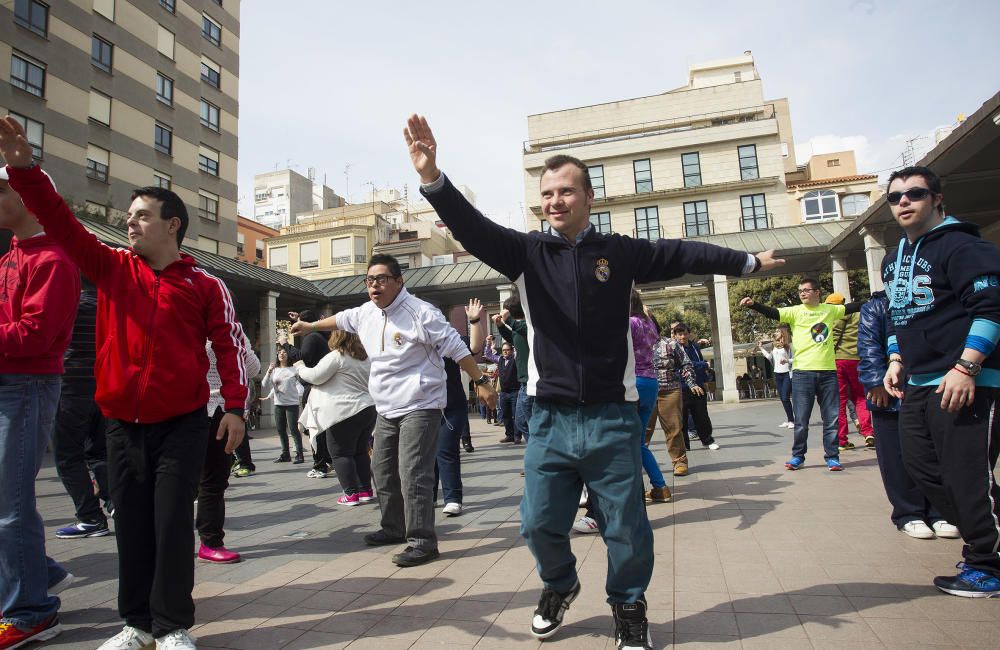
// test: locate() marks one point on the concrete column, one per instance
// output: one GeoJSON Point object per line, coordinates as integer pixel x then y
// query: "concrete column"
{"type": "Point", "coordinates": [874, 237]}
{"type": "Point", "coordinates": [505, 291]}
{"type": "Point", "coordinates": [722, 339]}
{"type": "Point", "coordinates": [268, 342]}
{"type": "Point", "coordinates": [841, 282]}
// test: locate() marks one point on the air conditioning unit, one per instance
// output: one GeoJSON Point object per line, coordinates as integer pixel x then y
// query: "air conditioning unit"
{"type": "Point", "coordinates": [439, 260]}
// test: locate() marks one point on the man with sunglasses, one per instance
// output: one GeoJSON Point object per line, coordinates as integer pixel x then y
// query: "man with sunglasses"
{"type": "Point", "coordinates": [943, 285]}
{"type": "Point", "coordinates": [406, 340]}
{"type": "Point", "coordinates": [814, 376]}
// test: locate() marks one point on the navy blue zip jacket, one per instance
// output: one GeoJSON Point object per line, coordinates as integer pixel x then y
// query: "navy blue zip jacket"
{"type": "Point", "coordinates": [576, 298]}
{"type": "Point", "coordinates": [873, 331]}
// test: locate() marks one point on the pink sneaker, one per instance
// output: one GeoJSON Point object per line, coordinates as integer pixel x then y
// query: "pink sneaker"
{"type": "Point", "coordinates": [365, 497]}
{"type": "Point", "coordinates": [349, 500]}
{"type": "Point", "coordinates": [217, 555]}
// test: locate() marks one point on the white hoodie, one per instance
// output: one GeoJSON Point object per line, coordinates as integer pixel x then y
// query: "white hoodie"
{"type": "Point", "coordinates": [405, 342]}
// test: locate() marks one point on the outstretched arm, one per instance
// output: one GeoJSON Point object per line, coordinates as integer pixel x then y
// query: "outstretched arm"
{"type": "Point", "coordinates": [770, 312]}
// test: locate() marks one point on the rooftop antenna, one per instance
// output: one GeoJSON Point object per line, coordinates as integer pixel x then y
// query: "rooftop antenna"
{"type": "Point", "coordinates": [347, 182]}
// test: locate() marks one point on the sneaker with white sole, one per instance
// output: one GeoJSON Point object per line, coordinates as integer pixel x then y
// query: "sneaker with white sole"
{"type": "Point", "coordinates": [586, 525]}
{"type": "Point", "coordinates": [176, 640]}
{"type": "Point", "coordinates": [551, 608]}
{"type": "Point", "coordinates": [943, 529]}
{"type": "Point", "coordinates": [452, 509]}
{"type": "Point", "coordinates": [714, 446]}
{"type": "Point", "coordinates": [130, 638]}
{"type": "Point", "coordinates": [62, 585]}
{"type": "Point", "coordinates": [83, 530]}
{"type": "Point", "coordinates": [917, 530]}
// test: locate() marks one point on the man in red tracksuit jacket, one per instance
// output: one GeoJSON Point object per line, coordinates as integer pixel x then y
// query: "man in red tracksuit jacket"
{"type": "Point", "coordinates": [156, 308]}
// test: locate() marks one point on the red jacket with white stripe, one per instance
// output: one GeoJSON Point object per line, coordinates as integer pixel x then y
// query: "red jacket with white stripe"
{"type": "Point", "coordinates": [151, 327]}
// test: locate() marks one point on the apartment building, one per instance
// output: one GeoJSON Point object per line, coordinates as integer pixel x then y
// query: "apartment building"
{"type": "Point", "coordinates": [708, 157]}
{"type": "Point", "coordinates": [829, 186]}
{"type": "Point", "coordinates": [250, 241]}
{"type": "Point", "coordinates": [279, 197]}
{"type": "Point", "coordinates": [154, 103]}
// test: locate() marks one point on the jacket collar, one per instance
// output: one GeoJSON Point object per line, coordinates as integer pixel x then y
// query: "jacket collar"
{"type": "Point", "coordinates": [401, 297]}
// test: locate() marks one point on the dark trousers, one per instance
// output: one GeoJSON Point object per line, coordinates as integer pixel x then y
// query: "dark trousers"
{"type": "Point", "coordinates": [153, 471]}
{"type": "Point", "coordinates": [448, 465]}
{"type": "Point", "coordinates": [286, 420]}
{"type": "Point", "coordinates": [80, 450]}
{"type": "Point", "coordinates": [243, 455]}
{"type": "Point", "coordinates": [784, 385]}
{"type": "Point", "coordinates": [697, 408]}
{"type": "Point", "coordinates": [211, 514]}
{"type": "Point", "coordinates": [322, 459]}
{"type": "Point", "coordinates": [507, 405]}
{"type": "Point", "coordinates": [908, 502]}
{"type": "Point", "coordinates": [951, 457]}
{"type": "Point", "coordinates": [348, 444]}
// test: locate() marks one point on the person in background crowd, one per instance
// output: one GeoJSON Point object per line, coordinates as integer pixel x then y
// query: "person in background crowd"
{"type": "Point", "coordinates": [695, 402]}
{"type": "Point", "coordinates": [509, 387]}
{"type": "Point", "coordinates": [780, 357]}
{"type": "Point", "coordinates": [645, 334]}
{"type": "Point", "coordinates": [282, 379]}
{"type": "Point", "coordinates": [673, 369]}
{"type": "Point", "coordinates": [39, 291]}
{"type": "Point", "coordinates": [314, 346]}
{"type": "Point", "coordinates": [244, 465]}
{"type": "Point", "coordinates": [845, 345]}
{"type": "Point", "coordinates": [513, 328]}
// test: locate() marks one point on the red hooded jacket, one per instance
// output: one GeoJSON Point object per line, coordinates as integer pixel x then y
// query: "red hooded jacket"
{"type": "Point", "coordinates": [151, 328]}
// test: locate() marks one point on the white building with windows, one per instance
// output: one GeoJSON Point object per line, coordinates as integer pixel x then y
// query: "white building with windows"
{"type": "Point", "coordinates": [279, 197]}
{"type": "Point", "coordinates": [828, 187]}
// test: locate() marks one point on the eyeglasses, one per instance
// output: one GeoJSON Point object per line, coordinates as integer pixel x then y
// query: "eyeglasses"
{"type": "Point", "coordinates": [378, 280]}
{"type": "Point", "coordinates": [913, 194]}
{"type": "Point", "coordinates": [807, 290]}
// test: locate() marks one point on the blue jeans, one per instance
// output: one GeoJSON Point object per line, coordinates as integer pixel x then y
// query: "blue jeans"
{"type": "Point", "coordinates": [522, 412]}
{"type": "Point", "coordinates": [507, 410]}
{"type": "Point", "coordinates": [28, 406]}
{"type": "Point", "coordinates": [647, 388]}
{"type": "Point", "coordinates": [596, 445]}
{"type": "Point", "coordinates": [784, 385]}
{"type": "Point", "coordinates": [810, 386]}
{"type": "Point", "coordinates": [448, 470]}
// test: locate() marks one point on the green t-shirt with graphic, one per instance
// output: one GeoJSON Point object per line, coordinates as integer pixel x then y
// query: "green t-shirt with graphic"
{"type": "Point", "coordinates": [812, 334]}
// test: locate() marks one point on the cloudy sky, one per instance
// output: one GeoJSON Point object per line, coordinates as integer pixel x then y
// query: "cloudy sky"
{"type": "Point", "coordinates": [328, 84]}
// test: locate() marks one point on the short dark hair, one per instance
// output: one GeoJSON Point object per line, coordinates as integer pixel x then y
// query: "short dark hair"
{"type": "Point", "coordinates": [553, 163]}
{"type": "Point", "coordinates": [933, 180]}
{"type": "Point", "coordinates": [812, 282]}
{"type": "Point", "coordinates": [309, 316]}
{"type": "Point", "coordinates": [171, 206]}
{"type": "Point", "coordinates": [386, 260]}
{"type": "Point", "coordinates": [680, 326]}
{"type": "Point", "coordinates": [513, 305]}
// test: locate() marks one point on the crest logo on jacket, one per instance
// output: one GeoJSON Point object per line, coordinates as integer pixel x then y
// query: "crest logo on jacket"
{"type": "Point", "coordinates": [397, 338]}
{"type": "Point", "coordinates": [819, 332]}
{"type": "Point", "coordinates": [602, 270]}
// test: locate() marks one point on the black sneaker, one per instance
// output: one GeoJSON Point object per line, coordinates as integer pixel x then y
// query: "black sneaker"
{"type": "Point", "coordinates": [298, 459]}
{"type": "Point", "coordinates": [283, 458]}
{"type": "Point", "coordinates": [551, 608]}
{"type": "Point", "coordinates": [382, 538]}
{"type": "Point", "coordinates": [469, 448]}
{"type": "Point", "coordinates": [631, 626]}
{"type": "Point", "coordinates": [412, 556]}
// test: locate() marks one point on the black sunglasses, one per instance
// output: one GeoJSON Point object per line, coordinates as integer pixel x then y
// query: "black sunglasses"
{"type": "Point", "coordinates": [914, 194]}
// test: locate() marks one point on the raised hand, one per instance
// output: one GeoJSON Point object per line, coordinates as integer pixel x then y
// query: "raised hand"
{"type": "Point", "coordinates": [475, 309]}
{"type": "Point", "coordinates": [14, 145]}
{"type": "Point", "coordinates": [746, 302]}
{"type": "Point", "coordinates": [300, 328]}
{"type": "Point", "coordinates": [423, 148]}
{"type": "Point", "coordinates": [768, 261]}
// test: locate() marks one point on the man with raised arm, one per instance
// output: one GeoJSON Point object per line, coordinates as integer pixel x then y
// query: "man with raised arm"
{"type": "Point", "coordinates": [156, 308]}
{"type": "Point", "coordinates": [575, 286]}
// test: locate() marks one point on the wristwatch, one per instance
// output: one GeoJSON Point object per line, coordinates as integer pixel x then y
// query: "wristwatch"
{"type": "Point", "coordinates": [971, 367]}
{"type": "Point", "coordinates": [483, 379]}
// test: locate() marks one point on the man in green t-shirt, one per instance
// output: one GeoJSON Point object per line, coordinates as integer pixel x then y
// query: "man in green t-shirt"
{"type": "Point", "coordinates": [814, 369]}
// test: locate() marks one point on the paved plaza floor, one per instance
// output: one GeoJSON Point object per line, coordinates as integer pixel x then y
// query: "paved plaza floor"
{"type": "Point", "coordinates": [748, 555]}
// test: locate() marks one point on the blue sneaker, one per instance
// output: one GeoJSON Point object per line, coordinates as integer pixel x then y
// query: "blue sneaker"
{"type": "Point", "coordinates": [794, 462]}
{"type": "Point", "coordinates": [970, 583]}
{"type": "Point", "coordinates": [834, 465]}
{"type": "Point", "coordinates": [81, 530]}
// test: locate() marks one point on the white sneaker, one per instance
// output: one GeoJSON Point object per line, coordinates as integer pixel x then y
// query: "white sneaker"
{"type": "Point", "coordinates": [315, 473]}
{"type": "Point", "coordinates": [62, 585]}
{"type": "Point", "coordinates": [583, 497]}
{"type": "Point", "coordinates": [130, 638]}
{"type": "Point", "coordinates": [714, 446]}
{"type": "Point", "coordinates": [176, 640]}
{"type": "Point", "coordinates": [787, 425]}
{"type": "Point", "coordinates": [586, 525]}
{"type": "Point", "coordinates": [452, 509]}
{"type": "Point", "coordinates": [917, 530]}
{"type": "Point", "coordinates": [946, 530]}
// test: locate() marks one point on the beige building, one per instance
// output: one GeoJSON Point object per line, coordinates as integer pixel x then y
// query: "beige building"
{"type": "Point", "coordinates": [709, 157]}
{"type": "Point", "coordinates": [829, 187]}
{"type": "Point", "coordinates": [154, 103]}
{"type": "Point", "coordinates": [280, 197]}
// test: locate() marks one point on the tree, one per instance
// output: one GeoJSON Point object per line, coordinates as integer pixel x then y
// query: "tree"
{"type": "Point", "coordinates": [693, 312]}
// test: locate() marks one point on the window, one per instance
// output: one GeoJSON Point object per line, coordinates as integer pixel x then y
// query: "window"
{"type": "Point", "coordinates": [32, 15]}
{"type": "Point", "coordinates": [643, 176]}
{"type": "Point", "coordinates": [601, 222]}
{"type": "Point", "coordinates": [100, 107]}
{"type": "Point", "coordinates": [278, 258]}
{"type": "Point", "coordinates": [545, 227]}
{"type": "Point", "coordinates": [27, 74]}
{"type": "Point", "coordinates": [260, 249]}
{"type": "Point", "coordinates": [820, 204]}
{"type": "Point", "coordinates": [208, 205]}
{"type": "Point", "coordinates": [98, 161]}
{"type": "Point", "coordinates": [210, 115]}
{"type": "Point", "coordinates": [309, 254]}
{"type": "Point", "coordinates": [208, 160]}
{"type": "Point", "coordinates": [211, 72]}
{"type": "Point", "coordinates": [241, 241]}
{"type": "Point", "coordinates": [737, 76]}
{"type": "Point", "coordinates": [696, 219]}
{"type": "Point", "coordinates": [162, 180]}
{"type": "Point", "coordinates": [211, 30]}
{"type": "Point", "coordinates": [691, 164]}
{"type": "Point", "coordinates": [597, 180]}
{"type": "Point", "coordinates": [163, 139]}
{"type": "Point", "coordinates": [208, 245]}
{"type": "Point", "coordinates": [340, 251]}
{"type": "Point", "coordinates": [96, 209]}
{"type": "Point", "coordinates": [261, 195]}
{"type": "Point", "coordinates": [169, 5]}
{"type": "Point", "coordinates": [855, 204]}
{"type": "Point", "coordinates": [647, 223]}
{"type": "Point", "coordinates": [360, 250]}
{"type": "Point", "coordinates": [833, 162]}
{"type": "Point", "coordinates": [100, 53]}
{"type": "Point", "coordinates": [165, 89]}
{"type": "Point", "coordinates": [106, 8]}
{"type": "Point", "coordinates": [35, 132]}
{"type": "Point", "coordinates": [165, 41]}
{"type": "Point", "coordinates": [748, 162]}
{"type": "Point", "coordinates": [754, 209]}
